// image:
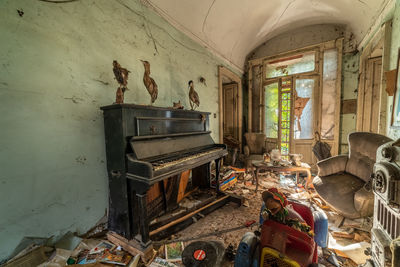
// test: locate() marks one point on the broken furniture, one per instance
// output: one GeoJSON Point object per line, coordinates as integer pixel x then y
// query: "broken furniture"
{"type": "Point", "coordinates": [263, 166]}
{"type": "Point", "coordinates": [233, 147]}
{"type": "Point", "coordinates": [254, 149]}
{"type": "Point", "coordinates": [148, 148]}
{"type": "Point", "coordinates": [343, 181]}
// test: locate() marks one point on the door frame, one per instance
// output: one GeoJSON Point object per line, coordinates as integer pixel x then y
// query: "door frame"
{"type": "Point", "coordinates": [384, 35]}
{"type": "Point", "coordinates": [225, 72]}
{"type": "Point", "coordinates": [321, 48]}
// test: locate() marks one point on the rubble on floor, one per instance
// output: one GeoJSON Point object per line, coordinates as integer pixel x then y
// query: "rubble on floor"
{"type": "Point", "coordinates": [348, 239]}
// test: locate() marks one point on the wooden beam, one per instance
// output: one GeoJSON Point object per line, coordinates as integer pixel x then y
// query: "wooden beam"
{"type": "Point", "coordinates": [339, 46]}
{"type": "Point", "coordinates": [250, 98]}
{"type": "Point", "coordinates": [387, 40]}
{"type": "Point", "coordinates": [132, 246]}
{"type": "Point", "coordinates": [187, 216]}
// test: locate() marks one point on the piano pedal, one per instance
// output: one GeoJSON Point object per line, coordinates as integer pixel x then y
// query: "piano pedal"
{"type": "Point", "coordinates": [201, 215]}
{"type": "Point", "coordinates": [194, 219]}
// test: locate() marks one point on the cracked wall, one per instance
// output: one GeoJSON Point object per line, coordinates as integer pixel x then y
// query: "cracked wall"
{"type": "Point", "coordinates": [55, 73]}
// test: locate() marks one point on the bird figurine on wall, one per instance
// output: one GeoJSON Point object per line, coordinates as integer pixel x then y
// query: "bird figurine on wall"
{"type": "Point", "coordinates": [121, 75]}
{"type": "Point", "coordinates": [193, 96]}
{"type": "Point", "coordinates": [150, 84]}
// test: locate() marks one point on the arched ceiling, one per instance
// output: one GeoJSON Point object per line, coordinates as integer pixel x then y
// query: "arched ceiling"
{"type": "Point", "coordinates": [233, 28]}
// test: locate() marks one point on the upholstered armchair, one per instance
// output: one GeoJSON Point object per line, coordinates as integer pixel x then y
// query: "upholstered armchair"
{"type": "Point", "coordinates": [344, 181]}
{"type": "Point", "coordinates": [255, 147]}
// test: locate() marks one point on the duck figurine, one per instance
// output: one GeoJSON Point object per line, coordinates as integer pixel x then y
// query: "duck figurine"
{"type": "Point", "coordinates": [121, 75]}
{"type": "Point", "coordinates": [149, 82]}
{"type": "Point", "coordinates": [193, 96]}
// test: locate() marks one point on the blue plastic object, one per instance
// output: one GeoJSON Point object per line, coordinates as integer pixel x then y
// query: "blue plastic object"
{"type": "Point", "coordinates": [256, 256]}
{"type": "Point", "coordinates": [261, 218]}
{"type": "Point", "coordinates": [244, 254]}
{"type": "Point", "coordinates": [320, 228]}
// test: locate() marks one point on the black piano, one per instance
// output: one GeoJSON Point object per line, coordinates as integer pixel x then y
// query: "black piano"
{"type": "Point", "coordinates": [146, 145]}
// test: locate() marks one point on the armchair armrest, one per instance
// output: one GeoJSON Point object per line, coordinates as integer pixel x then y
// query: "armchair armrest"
{"type": "Point", "coordinates": [364, 201]}
{"type": "Point", "coordinates": [332, 165]}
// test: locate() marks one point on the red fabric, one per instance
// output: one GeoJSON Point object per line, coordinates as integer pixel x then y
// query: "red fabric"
{"type": "Point", "coordinates": [295, 244]}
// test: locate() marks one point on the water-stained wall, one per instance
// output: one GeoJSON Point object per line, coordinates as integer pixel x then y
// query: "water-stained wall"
{"type": "Point", "coordinates": [55, 74]}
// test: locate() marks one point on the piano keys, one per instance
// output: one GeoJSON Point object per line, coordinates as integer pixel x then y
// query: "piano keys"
{"type": "Point", "coordinates": [146, 146]}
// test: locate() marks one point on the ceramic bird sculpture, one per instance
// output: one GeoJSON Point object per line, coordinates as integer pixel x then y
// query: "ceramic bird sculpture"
{"type": "Point", "coordinates": [150, 84]}
{"type": "Point", "coordinates": [193, 96]}
{"type": "Point", "coordinates": [121, 75]}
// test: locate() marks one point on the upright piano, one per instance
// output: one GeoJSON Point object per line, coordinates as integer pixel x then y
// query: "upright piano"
{"type": "Point", "coordinates": [146, 145]}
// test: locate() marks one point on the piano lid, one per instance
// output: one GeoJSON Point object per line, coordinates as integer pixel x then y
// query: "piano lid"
{"type": "Point", "coordinates": [149, 148]}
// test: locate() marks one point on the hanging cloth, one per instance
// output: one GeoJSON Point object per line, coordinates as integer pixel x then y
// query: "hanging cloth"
{"type": "Point", "coordinates": [321, 149]}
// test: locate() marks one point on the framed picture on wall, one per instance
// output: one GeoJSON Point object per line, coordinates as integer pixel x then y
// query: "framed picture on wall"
{"type": "Point", "coordinates": [395, 121]}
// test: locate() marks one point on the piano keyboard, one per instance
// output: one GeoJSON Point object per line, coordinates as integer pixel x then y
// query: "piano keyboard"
{"type": "Point", "coordinates": [164, 163]}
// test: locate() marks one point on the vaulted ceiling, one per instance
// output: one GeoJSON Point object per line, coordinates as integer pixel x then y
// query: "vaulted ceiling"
{"type": "Point", "coordinates": [233, 28]}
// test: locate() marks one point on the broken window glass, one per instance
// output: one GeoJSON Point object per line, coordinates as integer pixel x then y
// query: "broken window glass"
{"type": "Point", "coordinates": [303, 109]}
{"type": "Point", "coordinates": [300, 63]}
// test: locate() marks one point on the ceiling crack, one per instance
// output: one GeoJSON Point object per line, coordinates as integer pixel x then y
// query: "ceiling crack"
{"type": "Point", "coordinates": [205, 19]}
{"type": "Point", "coordinates": [159, 27]}
{"type": "Point", "coordinates": [361, 1]}
{"type": "Point", "coordinates": [283, 13]}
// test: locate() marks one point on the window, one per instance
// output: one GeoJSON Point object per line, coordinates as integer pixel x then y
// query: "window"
{"type": "Point", "coordinates": [296, 64]}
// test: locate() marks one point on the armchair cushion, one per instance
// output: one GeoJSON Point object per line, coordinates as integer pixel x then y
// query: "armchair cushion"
{"type": "Point", "coordinates": [332, 165]}
{"type": "Point", "coordinates": [338, 191]}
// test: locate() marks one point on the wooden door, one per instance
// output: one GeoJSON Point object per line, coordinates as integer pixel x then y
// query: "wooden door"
{"type": "Point", "coordinates": [230, 107]}
{"type": "Point", "coordinates": [368, 108]}
{"type": "Point", "coordinates": [304, 117]}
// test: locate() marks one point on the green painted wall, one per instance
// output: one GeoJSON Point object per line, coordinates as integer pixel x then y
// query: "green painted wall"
{"type": "Point", "coordinates": [55, 73]}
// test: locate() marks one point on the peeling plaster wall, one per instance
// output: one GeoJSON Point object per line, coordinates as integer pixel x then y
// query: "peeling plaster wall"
{"type": "Point", "coordinates": [315, 34]}
{"type": "Point", "coordinates": [55, 74]}
{"type": "Point", "coordinates": [350, 69]}
{"type": "Point", "coordinates": [395, 45]}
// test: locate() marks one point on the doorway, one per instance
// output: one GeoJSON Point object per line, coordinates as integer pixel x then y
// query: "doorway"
{"type": "Point", "coordinates": [368, 113]}
{"type": "Point", "coordinates": [230, 107]}
{"type": "Point", "coordinates": [289, 114]}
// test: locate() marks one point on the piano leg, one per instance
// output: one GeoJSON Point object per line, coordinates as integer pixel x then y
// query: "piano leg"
{"type": "Point", "coordinates": [217, 162]}
{"type": "Point", "coordinates": [144, 237]}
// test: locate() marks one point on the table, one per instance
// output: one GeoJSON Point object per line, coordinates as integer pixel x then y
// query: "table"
{"type": "Point", "coordinates": [261, 165]}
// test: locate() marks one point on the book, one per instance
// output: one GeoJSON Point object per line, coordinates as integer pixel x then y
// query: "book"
{"type": "Point", "coordinates": [100, 247]}
{"type": "Point", "coordinates": [116, 257]}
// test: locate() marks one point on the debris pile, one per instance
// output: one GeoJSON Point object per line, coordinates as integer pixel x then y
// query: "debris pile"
{"type": "Point", "coordinates": [345, 246]}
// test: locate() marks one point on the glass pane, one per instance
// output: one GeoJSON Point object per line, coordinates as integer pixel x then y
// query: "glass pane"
{"type": "Point", "coordinates": [303, 111]}
{"type": "Point", "coordinates": [286, 96]}
{"type": "Point", "coordinates": [329, 94]}
{"type": "Point", "coordinates": [271, 110]}
{"type": "Point", "coordinates": [291, 65]}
